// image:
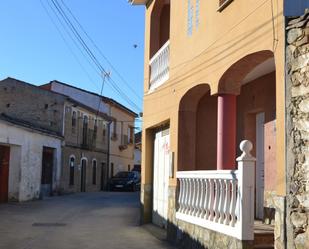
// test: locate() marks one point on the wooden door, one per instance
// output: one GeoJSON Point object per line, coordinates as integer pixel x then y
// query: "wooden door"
{"type": "Point", "coordinates": [4, 173]}
{"type": "Point", "coordinates": [47, 171]}
{"type": "Point", "coordinates": [83, 177]}
{"type": "Point", "coordinates": [104, 175]}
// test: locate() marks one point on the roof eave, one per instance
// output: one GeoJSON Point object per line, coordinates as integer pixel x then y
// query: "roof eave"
{"type": "Point", "coordinates": [138, 2]}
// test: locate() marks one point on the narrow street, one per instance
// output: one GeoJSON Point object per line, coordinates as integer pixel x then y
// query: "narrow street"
{"type": "Point", "coordinates": [85, 221]}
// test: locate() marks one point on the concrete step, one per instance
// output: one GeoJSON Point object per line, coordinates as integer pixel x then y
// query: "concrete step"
{"type": "Point", "coordinates": [264, 241]}
{"type": "Point", "coordinates": [264, 247]}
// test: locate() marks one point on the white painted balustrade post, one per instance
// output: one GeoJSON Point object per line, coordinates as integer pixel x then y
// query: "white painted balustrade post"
{"type": "Point", "coordinates": [246, 179]}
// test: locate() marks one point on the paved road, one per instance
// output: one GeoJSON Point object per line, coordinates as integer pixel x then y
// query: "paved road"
{"type": "Point", "coordinates": [80, 221]}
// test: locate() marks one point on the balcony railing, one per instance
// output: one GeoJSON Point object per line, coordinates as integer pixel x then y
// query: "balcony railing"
{"type": "Point", "coordinates": [88, 139]}
{"type": "Point", "coordinates": [159, 66]}
{"type": "Point", "coordinates": [221, 200]}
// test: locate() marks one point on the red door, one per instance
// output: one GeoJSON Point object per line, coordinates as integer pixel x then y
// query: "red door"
{"type": "Point", "coordinates": [4, 173]}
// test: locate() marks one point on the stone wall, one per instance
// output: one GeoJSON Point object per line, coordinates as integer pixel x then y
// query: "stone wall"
{"type": "Point", "coordinates": [27, 102]}
{"type": "Point", "coordinates": [297, 83]}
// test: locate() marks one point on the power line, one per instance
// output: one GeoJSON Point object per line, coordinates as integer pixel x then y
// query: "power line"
{"type": "Point", "coordinates": [124, 96]}
{"type": "Point", "coordinates": [77, 35]}
{"type": "Point", "coordinates": [90, 53]}
{"type": "Point", "coordinates": [66, 42]}
{"type": "Point", "coordinates": [100, 51]}
{"type": "Point", "coordinates": [101, 93]}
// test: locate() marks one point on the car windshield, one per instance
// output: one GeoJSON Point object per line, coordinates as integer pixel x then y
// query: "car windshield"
{"type": "Point", "coordinates": [123, 174]}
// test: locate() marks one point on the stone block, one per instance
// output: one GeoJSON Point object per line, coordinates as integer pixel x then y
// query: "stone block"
{"type": "Point", "coordinates": [297, 25]}
{"type": "Point", "coordinates": [300, 62]}
{"type": "Point", "coordinates": [299, 91]}
{"type": "Point", "coordinates": [302, 125]}
{"type": "Point", "coordinates": [304, 106]}
{"type": "Point", "coordinates": [299, 50]}
{"type": "Point", "coordinates": [302, 41]}
{"type": "Point", "coordinates": [294, 35]}
{"type": "Point", "coordinates": [303, 200]}
{"type": "Point", "coordinates": [299, 219]}
{"type": "Point", "coordinates": [296, 79]}
{"type": "Point", "coordinates": [290, 50]}
{"type": "Point", "coordinates": [302, 240]}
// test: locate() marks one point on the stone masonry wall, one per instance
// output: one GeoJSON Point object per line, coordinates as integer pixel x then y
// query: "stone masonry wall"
{"type": "Point", "coordinates": [297, 80]}
{"type": "Point", "coordinates": [29, 103]}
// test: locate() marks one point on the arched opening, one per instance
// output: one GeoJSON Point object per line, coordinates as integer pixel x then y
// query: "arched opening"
{"type": "Point", "coordinates": [71, 170]}
{"type": "Point", "coordinates": [83, 174]}
{"type": "Point", "coordinates": [232, 79]}
{"type": "Point", "coordinates": [252, 82]}
{"type": "Point", "coordinates": [197, 138]}
{"type": "Point", "coordinates": [160, 26]}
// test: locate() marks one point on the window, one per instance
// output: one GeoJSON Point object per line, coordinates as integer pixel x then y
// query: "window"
{"type": "Point", "coordinates": [95, 129]}
{"type": "Point", "coordinates": [71, 166]}
{"type": "Point", "coordinates": [114, 130]}
{"type": "Point", "coordinates": [94, 172]}
{"type": "Point", "coordinates": [130, 135]}
{"type": "Point", "coordinates": [74, 120]}
{"type": "Point", "coordinates": [85, 130]}
{"type": "Point", "coordinates": [104, 132]}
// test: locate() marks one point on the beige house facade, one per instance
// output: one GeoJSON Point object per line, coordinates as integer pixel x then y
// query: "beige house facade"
{"type": "Point", "coordinates": [85, 154]}
{"type": "Point", "coordinates": [214, 77]}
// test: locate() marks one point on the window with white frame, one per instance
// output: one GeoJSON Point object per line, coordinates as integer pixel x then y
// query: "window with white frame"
{"type": "Point", "coordinates": [130, 135]}
{"type": "Point", "coordinates": [104, 131]}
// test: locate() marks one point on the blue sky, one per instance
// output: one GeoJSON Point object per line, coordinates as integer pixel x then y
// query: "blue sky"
{"type": "Point", "coordinates": [33, 51]}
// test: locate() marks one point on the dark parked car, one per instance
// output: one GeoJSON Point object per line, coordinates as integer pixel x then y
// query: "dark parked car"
{"type": "Point", "coordinates": [126, 180]}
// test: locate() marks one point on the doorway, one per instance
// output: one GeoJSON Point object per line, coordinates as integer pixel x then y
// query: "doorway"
{"type": "Point", "coordinates": [161, 178]}
{"type": "Point", "coordinates": [104, 175]}
{"type": "Point", "coordinates": [260, 162]}
{"type": "Point", "coordinates": [83, 176]}
{"type": "Point", "coordinates": [47, 171]}
{"type": "Point", "coordinates": [4, 173]}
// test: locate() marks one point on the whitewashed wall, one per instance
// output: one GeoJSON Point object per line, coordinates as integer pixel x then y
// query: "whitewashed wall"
{"type": "Point", "coordinates": [82, 97]}
{"type": "Point", "coordinates": [26, 160]}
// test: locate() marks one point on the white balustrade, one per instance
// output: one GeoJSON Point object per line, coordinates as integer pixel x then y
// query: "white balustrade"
{"type": "Point", "coordinates": [220, 200]}
{"type": "Point", "coordinates": [159, 66]}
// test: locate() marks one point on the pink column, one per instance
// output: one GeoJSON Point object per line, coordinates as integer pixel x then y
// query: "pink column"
{"type": "Point", "coordinates": [226, 134]}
